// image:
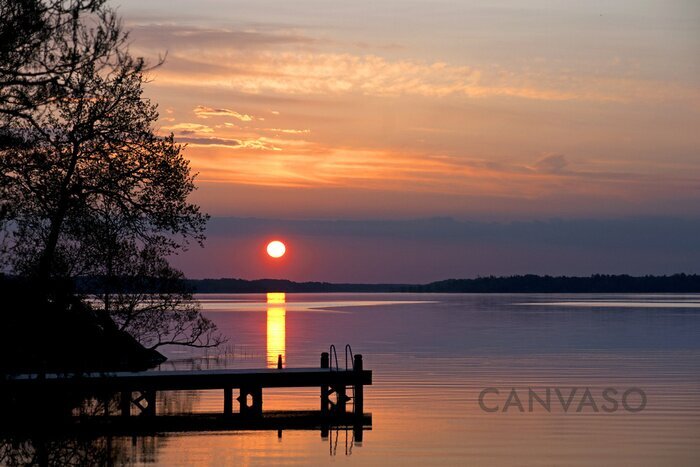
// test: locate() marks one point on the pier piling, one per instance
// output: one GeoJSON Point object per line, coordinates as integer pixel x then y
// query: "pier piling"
{"type": "Point", "coordinates": [358, 389]}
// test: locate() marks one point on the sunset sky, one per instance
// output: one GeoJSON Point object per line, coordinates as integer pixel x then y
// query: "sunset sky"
{"type": "Point", "coordinates": [507, 111]}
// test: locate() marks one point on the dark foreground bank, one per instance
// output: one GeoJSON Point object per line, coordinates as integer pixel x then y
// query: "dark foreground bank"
{"type": "Point", "coordinates": [62, 334]}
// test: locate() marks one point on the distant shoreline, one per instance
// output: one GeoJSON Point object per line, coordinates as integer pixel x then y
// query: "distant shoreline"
{"type": "Point", "coordinates": [598, 283]}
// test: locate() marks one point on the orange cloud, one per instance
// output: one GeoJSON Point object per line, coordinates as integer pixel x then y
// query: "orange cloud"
{"type": "Point", "coordinates": [261, 144]}
{"type": "Point", "coordinates": [310, 165]}
{"type": "Point", "coordinates": [206, 112]}
{"type": "Point", "coordinates": [189, 128]}
{"type": "Point", "coordinates": [307, 73]}
{"type": "Point", "coordinates": [289, 131]}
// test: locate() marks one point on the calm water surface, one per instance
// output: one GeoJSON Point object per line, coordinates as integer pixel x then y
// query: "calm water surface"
{"type": "Point", "coordinates": [432, 356]}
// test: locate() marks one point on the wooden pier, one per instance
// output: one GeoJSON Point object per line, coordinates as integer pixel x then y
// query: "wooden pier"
{"type": "Point", "coordinates": [139, 390]}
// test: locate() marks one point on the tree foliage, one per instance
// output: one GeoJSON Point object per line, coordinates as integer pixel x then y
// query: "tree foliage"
{"type": "Point", "coordinates": [142, 292]}
{"type": "Point", "coordinates": [43, 43]}
{"type": "Point", "coordinates": [88, 186]}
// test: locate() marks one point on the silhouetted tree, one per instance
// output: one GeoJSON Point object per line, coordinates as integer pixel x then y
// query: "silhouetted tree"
{"type": "Point", "coordinates": [43, 43]}
{"type": "Point", "coordinates": [38, 53]}
{"type": "Point", "coordinates": [88, 187]}
{"type": "Point", "coordinates": [149, 299]}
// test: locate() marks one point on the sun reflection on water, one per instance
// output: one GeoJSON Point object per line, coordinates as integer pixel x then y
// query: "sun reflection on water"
{"type": "Point", "coordinates": [276, 328]}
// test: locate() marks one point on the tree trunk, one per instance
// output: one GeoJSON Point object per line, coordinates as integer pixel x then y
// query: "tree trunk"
{"type": "Point", "coordinates": [46, 260]}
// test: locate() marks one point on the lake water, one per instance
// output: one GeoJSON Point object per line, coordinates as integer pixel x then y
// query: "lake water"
{"type": "Point", "coordinates": [454, 376]}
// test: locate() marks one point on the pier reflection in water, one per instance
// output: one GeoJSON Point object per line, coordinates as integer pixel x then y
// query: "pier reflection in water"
{"type": "Point", "coordinates": [276, 329]}
{"type": "Point", "coordinates": [108, 435]}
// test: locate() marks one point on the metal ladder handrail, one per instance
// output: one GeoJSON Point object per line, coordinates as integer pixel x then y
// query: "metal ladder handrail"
{"type": "Point", "coordinates": [348, 350]}
{"type": "Point", "coordinates": [331, 354]}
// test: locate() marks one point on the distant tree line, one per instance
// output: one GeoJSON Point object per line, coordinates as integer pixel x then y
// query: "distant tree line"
{"type": "Point", "coordinates": [530, 283]}
{"type": "Point", "coordinates": [87, 286]}
{"type": "Point", "coordinates": [597, 283]}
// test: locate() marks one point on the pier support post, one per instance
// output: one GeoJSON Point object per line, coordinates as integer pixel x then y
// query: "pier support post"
{"type": "Point", "coordinates": [342, 398]}
{"type": "Point", "coordinates": [256, 406]}
{"type": "Point", "coordinates": [106, 399]}
{"type": "Point", "coordinates": [151, 401]}
{"type": "Point", "coordinates": [228, 400]}
{"type": "Point", "coordinates": [325, 363]}
{"type": "Point", "coordinates": [359, 390]}
{"type": "Point", "coordinates": [357, 432]}
{"type": "Point", "coordinates": [125, 403]}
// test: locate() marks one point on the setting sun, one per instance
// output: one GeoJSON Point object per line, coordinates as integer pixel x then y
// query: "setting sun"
{"type": "Point", "coordinates": [276, 249]}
